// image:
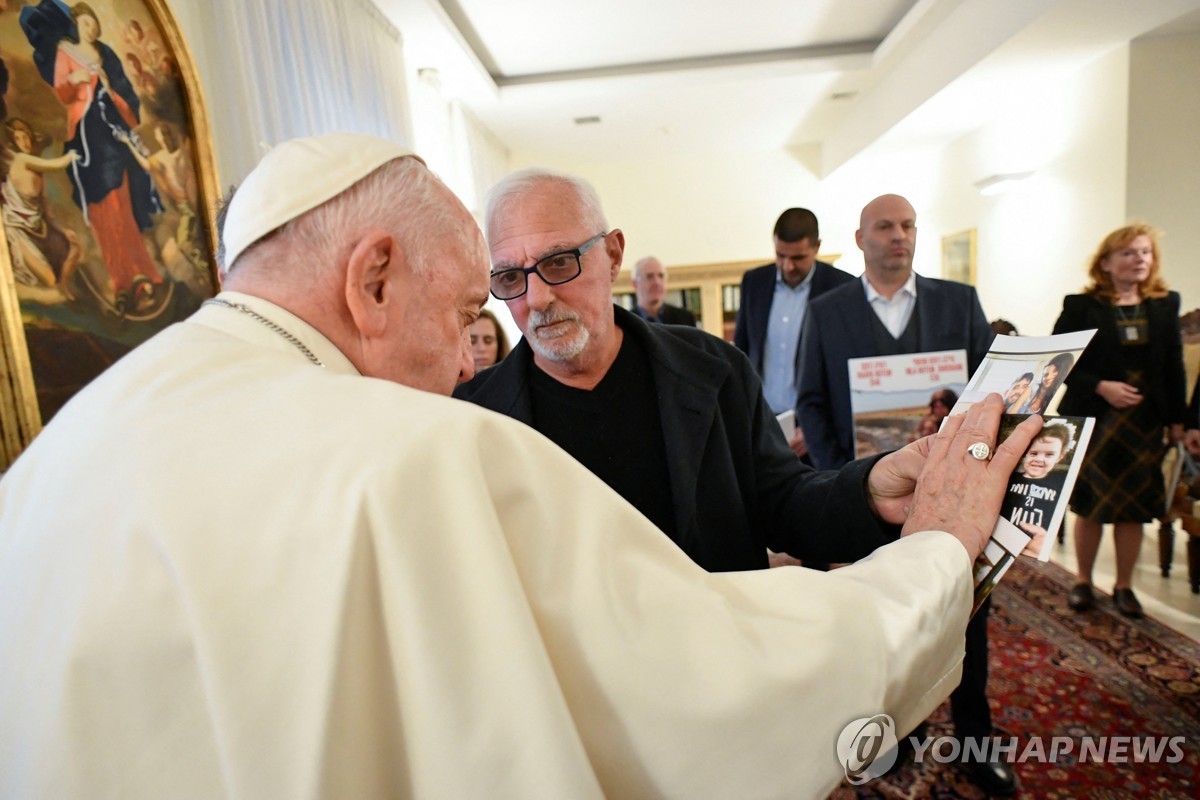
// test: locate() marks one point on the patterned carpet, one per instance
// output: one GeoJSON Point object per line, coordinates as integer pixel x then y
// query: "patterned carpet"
{"type": "Point", "coordinates": [1057, 673]}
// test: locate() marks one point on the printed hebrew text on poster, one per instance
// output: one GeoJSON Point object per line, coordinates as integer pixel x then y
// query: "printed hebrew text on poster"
{"type": "Point", "coordinates": [898, 399]}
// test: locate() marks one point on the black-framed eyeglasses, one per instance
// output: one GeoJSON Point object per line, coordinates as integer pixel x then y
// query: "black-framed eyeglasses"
{"type": "Point", "coordinates": [556, 268]}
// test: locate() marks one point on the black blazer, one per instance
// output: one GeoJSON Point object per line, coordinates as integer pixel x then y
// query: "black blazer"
{"type": "Point", "coordinates": [674, 315]}
{"type": "Point", "coordinates": [1165, 380]}
{"type": "Point", "coordinates": [838, 328]}
{"type": "Point", "coordinates": [737, 487]}
{"type": "Point", "coordinates": [754, 311]}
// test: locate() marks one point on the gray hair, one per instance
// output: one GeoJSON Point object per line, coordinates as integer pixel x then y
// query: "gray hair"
{"type": "Point", "coordinates": [637, 265]}
{"type": "Point", "coordinates": [518, 184]}
{"type": "Point", "coordinates": [402, 189]}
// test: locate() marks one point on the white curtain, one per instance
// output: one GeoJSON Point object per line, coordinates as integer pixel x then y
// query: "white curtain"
{"type": "Point", "coordinates": [287, 68]}
{"type": "Point", "coordinates": [483, 157]}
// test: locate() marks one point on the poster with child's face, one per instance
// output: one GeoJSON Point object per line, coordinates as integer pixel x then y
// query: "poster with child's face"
{"type": "Point", "coordinates": [1040, 487]}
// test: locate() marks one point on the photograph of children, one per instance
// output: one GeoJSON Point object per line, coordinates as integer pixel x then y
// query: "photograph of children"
{"type": "Point", "coordinates": [1036, 501]}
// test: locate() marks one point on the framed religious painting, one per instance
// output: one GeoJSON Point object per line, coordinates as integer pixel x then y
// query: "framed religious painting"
{"type": "Point", "coordinates": [108, 195]}
{"type": "Point", "coordinates": [958, 257]}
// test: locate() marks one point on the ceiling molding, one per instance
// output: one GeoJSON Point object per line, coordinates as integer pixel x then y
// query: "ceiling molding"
{"type": "Point", "coordinates": [713, 61]}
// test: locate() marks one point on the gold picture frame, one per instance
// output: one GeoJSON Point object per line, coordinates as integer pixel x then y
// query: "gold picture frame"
{"type": "Point", "coordinates": [110, 189]}
{"type": "Point", "coordinates": [958, 257]}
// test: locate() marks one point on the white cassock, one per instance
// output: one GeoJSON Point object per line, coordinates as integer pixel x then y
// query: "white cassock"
{"type": "Point", "coordinates": [226, 571]}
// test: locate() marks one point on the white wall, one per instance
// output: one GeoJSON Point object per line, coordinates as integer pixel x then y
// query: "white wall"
{"type": "Point", "coordinates": [1033, 242]}
{"type": "Point", "coordinates": [234, 147]}
{"type": "Point", "coordinates": [1137, 106]}
{"type": "Point", "coordinates": [1164, 152]}
{"type": "Point", "coordinates": [718, 208]}
{"type": "Point", "coordinates": [694, 210]}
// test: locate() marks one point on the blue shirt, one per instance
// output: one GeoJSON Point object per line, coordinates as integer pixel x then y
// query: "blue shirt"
{"type": "Point", "coordinates": [641, 312]}
{"type": "Point", "coordinates": [783, 340]}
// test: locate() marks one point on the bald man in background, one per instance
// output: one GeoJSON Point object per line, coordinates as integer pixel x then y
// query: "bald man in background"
{"type": "Point", "coordinates": [889, 311]}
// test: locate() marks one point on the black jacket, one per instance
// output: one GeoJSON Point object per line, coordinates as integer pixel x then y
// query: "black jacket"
{"type": "Point", "coordinates": [736, 486]}
{"type": "Point", "coordinates": [1164, 389]}
{"type": "Point", "coordinates": [674, 315]}
{"type": "Point", "coordinates": [837, 328]}
{"type": "Point", "coordinates": [754, 310]}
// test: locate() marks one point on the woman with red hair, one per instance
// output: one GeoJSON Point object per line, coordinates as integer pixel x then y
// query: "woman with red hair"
{"type": "Point", "coordinates": [1131, 379]}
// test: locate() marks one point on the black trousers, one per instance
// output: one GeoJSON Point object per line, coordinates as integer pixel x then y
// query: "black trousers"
{"type": "Point", "coordinates": [968, 703]}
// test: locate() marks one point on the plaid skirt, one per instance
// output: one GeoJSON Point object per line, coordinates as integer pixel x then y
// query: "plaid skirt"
{"type": "Point", "coordinates": [1121, 479]}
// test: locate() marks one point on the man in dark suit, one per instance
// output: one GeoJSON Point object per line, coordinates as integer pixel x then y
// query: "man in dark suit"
{"type": "Point", "coordinates": [890, 311]}
{"type": "Point", "coordinates": [650, 285]}
{"type": "Point", "coordinates": [774, 300]}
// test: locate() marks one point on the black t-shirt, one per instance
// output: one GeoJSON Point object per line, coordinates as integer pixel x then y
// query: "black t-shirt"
{"type": "Point", "coordinates": [1033, 501]}
{"type": "Point", "coordinates": [613, 429]}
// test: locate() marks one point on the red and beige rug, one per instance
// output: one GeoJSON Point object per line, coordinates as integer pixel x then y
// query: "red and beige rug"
{"type": "Point", "coordinates": [1056, 673]}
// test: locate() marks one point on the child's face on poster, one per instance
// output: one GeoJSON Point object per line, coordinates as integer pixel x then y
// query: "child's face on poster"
{"type": "Point", "coordinates": [1041, 457]}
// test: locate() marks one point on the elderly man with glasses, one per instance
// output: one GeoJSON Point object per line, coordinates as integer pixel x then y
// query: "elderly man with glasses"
{"type": "Point", "coordinates": [671, 418]}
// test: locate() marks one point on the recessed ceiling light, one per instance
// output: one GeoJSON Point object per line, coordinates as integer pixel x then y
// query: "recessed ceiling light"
{"type": "Point", "coordinates": [587, 120]}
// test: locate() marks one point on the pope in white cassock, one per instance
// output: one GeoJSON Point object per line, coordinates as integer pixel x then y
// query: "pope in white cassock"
{"type": "Point", "coordinates": [263, 556]}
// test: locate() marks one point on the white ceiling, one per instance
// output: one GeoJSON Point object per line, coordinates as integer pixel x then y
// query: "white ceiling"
{"type": "Point", "coordinates": [823, 78]}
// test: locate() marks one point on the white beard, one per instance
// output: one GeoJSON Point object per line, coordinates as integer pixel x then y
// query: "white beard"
{"type": "Point", "coordinates": [564, 348]}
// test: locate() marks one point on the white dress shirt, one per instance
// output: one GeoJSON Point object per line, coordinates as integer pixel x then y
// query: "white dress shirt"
{"type": "Point", "coordinates": [896, 312]}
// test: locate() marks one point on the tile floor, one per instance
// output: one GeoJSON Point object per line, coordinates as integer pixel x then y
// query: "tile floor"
{"type": "Point", "coordinates": [1169, 600]}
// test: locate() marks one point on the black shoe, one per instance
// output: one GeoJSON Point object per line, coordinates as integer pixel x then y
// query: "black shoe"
{"type": "Point", "coordinates": [994, 777]}
{"type": "Point", "coordinates": [1081, 597]}
{"type": "Point", "coordinates": [1127, 603]}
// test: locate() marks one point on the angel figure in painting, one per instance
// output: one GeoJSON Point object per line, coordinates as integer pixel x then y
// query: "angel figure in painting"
{"type": "Point", "coordinates": [175, 176]}
{"type": "Point", "coordinates": [44, 256]}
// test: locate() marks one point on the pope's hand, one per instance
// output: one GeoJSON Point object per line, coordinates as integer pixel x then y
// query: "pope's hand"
{"type": "Point", "coordinates": [935, 483]}
{"type": "Point", "coordinates": [959, 493]}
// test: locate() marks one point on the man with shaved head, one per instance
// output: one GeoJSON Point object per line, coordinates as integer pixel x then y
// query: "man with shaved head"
{"type": "Point", "coordinates": [890, 311]}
